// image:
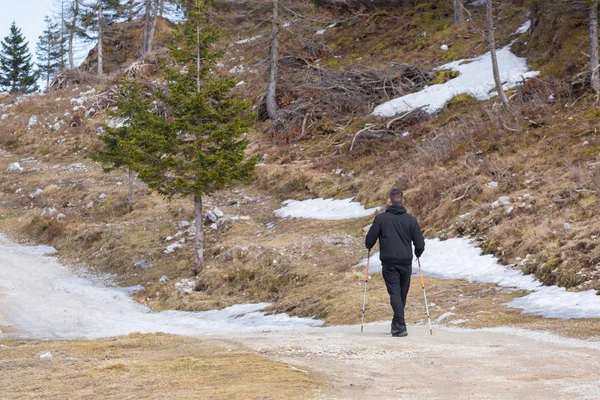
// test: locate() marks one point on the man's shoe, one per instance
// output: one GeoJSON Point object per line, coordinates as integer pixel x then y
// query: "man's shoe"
{"type": "Point", "coordinates": [399, 333]}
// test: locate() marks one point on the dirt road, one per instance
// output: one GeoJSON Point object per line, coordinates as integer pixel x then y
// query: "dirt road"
{"type": "Point", "coordinates": [452, 364]}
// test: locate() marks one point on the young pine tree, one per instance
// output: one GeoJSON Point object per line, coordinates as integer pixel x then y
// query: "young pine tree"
{"type": "Point", "coordinates": [199, 147]}
{"type": "Point", "coordinates": [16, 69]}
{"type": "Point", "coordinates": [136, 119]}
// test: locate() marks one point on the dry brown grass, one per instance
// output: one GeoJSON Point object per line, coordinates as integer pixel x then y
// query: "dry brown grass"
{"type": "Point", "coordinates": [145, 366]}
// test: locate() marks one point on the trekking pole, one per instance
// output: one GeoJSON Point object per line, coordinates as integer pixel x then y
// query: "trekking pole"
{"type": "Point", "coordinates": [425, 295]}
{"type": "Point", "coordinates": [365, 296]}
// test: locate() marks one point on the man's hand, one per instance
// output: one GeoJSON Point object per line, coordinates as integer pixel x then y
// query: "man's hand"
{"type": "Point", "coordinates": [419, 252]}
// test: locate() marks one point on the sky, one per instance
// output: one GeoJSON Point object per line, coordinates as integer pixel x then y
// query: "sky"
{"type": "Point", "coordinates": [28, 15]}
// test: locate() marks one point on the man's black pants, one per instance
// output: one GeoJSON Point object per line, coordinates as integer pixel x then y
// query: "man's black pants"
{"type": "Point", "coordinates": [397, 281]}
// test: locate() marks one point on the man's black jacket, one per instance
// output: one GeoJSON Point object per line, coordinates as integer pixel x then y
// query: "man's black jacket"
{"type": "Point", "coordinates": [397, 231]}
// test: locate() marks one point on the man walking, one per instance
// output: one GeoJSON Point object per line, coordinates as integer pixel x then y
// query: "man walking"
{"type": "Point", "coordinates": [397, 231]}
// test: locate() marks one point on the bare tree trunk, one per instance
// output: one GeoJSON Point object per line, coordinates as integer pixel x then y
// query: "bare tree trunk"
{"type": "Point", "coordinates": [72, 30]}
{"type": "Point", "coordinates": [153, 29]}
{"type": "Point", "coordinates": [271, 95]}
{"type": "Point", "coordinates": [100, 33]}
{"type": "Point", "coordinates": [595, 82]}
{"type": "Point", "coordinates": [492, 41]}
{"type": "Point", "coordinates": [131, 7]}
{"type": "Point", "coordinates": [459, 12]}
{"type": "Point", "coordinates": [162, 8]}
{"type": "Point", "coordinates": [199, 245]}
{"type": "Point", "coordinates": [148, 7]}
{"type": "Point", "coordinates": [131, 191]}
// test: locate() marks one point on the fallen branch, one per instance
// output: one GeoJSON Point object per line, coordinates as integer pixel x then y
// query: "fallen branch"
{"type": "Point", "coordinates": [465, 193]}
{"type": "Point", "coordinates": [389, 124]}
{"type": "Point", "coordinates": [366, 128]}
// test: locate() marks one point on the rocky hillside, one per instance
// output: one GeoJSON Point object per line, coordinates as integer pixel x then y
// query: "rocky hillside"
{"type": "Point", "coordinates": [524, 182]}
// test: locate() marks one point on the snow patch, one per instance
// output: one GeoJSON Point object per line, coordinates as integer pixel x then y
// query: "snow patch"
{"type": "Point", "coordinates": [324, 209]}
{"type": "Point", "coordinates": [475, 79]}
{"type": "Point", "coordinates": [459, 258]}
{"type": "Point", "coordinates": [45, 300]}
{"type": "Point", "coordinates": [524, 28]}
{"type": "Point", "coordinates": [252, 39]}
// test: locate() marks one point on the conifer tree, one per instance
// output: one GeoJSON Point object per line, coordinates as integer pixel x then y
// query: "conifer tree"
{"type": "Point", "coordinates": [198, 148]}
{"type": "Point", "coordinates": [16, 69]}
{"type": "Point", "coordinates": [134, 119]}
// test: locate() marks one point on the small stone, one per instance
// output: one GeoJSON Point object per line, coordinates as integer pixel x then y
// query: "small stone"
{"type": "Point", "coordinates": [444, 47]}
{"type": "Point", "coordinates": [32, 121]}
{"type": "Point", "coordinates": [184, 224]}
{"type": "Point", "coordinates": [56, 126]}
{"type": "Point", "coordinates": [35, 193]}
{"type": "Point", "coordinates": [46, 356]}
{"type": "Point", "coordinates": [465, 216]}
{"type": "Point", "coordinates": [502, 201]}
{"type": "Point", "coordinates": [509, 209]}
{"type": "Point", "coordinates": [102, 196]}
{"type": "Point", "coordinates": [164, 278]}
{"type": "Point", "coordinates": [143, 264]}
{"type": "Point", "coordinates": [218, 213]}
{"type": "Point", "coordinates": [169, 238]}
{"type": "Point", "coordinates": [492, 185]}
{"type": "Point", "coordinates": [566, 226]}
{"type": "Point", "coordinates": [214, 227]}
{"type": "Point", "coordinates": [211, 216]}
{"type": "Point", "coordinates": [89, 205]}
{"type": "Point", "coordinates": [14, 167]}
{"type": "Point", "coordinates": [61, 217]}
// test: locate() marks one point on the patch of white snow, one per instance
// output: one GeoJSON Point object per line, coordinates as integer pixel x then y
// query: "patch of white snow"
{"type": "Point", "coordinates": [324, 209]}
{"type": "Point", "coordinates": [458, 258]}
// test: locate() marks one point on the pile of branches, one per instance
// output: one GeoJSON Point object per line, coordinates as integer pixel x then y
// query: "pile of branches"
{"type": "Point", "coordinates": [351, 5]}
{"type": "Point", "coordinates": [72, 77]}
{"type": "Point", "coordinates": [339, 96]}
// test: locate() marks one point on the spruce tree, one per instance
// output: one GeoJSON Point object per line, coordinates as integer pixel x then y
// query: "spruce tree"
{"type": "Point", "coordinates": [16, 69]}
{"type": "Point", "coordinates": [198, 148]}
{"type": "Point", "coordinates": [134, 119]}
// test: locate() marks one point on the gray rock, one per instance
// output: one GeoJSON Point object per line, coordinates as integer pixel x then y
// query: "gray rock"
{"type": "Point", "coordinates": [14, 167]}
{"type": "Point", "coordinates": [567, 226]}
{"type": "Point", "coordinates": [35, 193]}
{"type": "Point", "coordinates": [45, 356]}
{"type": "Point", "coordinates": [61, 217]}
{"type": "Point", "coordinates": [502, 201]}
{"type": "Point", "coordinates": [211, 217]}
{"type": "Point", "coordinates": [184, 224]}
{"type": "Point", "coordinates": [164, 278]}
{"type": "Point", "coordinates": [143, 264]}
{"type": "Point", "coordinates": [33, 120]}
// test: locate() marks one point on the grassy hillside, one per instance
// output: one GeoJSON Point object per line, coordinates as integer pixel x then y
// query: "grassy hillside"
{"type": "Point", "coordinates": [544, 153]}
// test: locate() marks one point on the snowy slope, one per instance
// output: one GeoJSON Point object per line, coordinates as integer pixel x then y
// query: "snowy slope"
{"type": "Point", "coordinates": [43, 299]}
{"type": "Point", "coordinates": [460, 259]}
{"type": "Point", "coordinates": [475, 79]}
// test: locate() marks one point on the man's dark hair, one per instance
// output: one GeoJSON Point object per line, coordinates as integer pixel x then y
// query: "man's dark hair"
{"type": "Point", "coordinates": [396, 196]}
